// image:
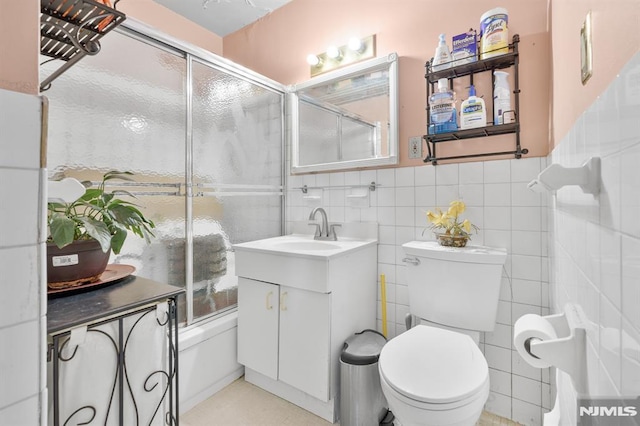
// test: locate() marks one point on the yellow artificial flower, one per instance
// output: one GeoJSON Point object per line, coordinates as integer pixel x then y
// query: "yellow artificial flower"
{"type": "Point", "coordinates": [431, 216]}
{"type": "Point", "coordinates": [466, 225]}
{"type": "Point", "coordinates": [456, 208]}
{"type": "Point", "coordinates": [440, 219]}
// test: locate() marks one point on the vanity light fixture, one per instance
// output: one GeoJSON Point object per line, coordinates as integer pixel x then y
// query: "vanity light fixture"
{"type": "Point", "coordinates": [314, 60]}
{"type": "Point", "coordinates": [356, 45]}
{"type": "Point", "coordinates": [334, 53]}
{"type": "Point", "coordinates": [356, 50]}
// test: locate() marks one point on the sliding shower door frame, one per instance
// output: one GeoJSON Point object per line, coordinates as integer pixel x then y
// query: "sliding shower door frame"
{"type": "Point", "coordinates": [192, 53]}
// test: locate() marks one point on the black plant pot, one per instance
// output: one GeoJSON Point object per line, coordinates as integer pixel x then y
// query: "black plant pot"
{"type": "Point", "coordinates": [80, 262]}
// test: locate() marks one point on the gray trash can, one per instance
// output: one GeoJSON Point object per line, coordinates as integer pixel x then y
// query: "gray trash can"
{"type": "Point", "coordinates": [361, 400]}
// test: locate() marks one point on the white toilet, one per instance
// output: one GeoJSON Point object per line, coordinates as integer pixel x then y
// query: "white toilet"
{"type": "Point", "coordinates": [435, 374]}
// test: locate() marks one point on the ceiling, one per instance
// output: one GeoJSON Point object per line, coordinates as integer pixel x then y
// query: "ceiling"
{"type": "Point", "coordinates": [222, 17]}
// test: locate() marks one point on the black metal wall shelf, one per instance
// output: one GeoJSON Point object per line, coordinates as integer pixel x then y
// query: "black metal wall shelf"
{"type": "Point", "coordinates": [479, 132]}
{"type": "Point", "coordinates": [510, 59]}
{"type": "Point", "coordinates": [71, 29]}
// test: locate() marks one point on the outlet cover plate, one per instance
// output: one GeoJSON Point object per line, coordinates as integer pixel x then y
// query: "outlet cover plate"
{"type": "Point", "coordinates": [415, 147]}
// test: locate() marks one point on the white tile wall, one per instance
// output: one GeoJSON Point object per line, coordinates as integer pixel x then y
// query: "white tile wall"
{"type": "Point", "coordinates": [595, 241]}
{"type": "Point", "coordinates": [508, 216]}
{"type": "Point", "coordinates": [22, 331]}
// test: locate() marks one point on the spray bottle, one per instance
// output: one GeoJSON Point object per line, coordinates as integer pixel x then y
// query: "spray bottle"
{"type": "Point", "coordinates": [502, 112]}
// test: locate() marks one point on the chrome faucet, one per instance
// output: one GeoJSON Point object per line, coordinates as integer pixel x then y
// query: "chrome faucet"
{"type": "Point", "coordinates": [323, 232]}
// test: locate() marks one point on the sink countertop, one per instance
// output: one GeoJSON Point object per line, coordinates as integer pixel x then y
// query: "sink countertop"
{"type": "Point", "coordinates": [301, 245]}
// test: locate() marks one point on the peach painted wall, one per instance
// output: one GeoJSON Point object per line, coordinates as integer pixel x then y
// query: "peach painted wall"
{"type": "Point", "coordinates": [165, 20]}
{"type": "Point", "coordinates": [616, 38]}
{"type": "Point", "coordinates": [19, 45]}
{"type": "Point", "coordinates": [277, 45]}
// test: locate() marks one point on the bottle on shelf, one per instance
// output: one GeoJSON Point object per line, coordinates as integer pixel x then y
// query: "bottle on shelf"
{"type": "Point", "coordinates": [473, 113]}
{"type": "Point", "coordinates": [442, 58]}
{"type": "Point", "coordinates": [502, 111]}
{"type": "Point", "coordinates": [442, 109]}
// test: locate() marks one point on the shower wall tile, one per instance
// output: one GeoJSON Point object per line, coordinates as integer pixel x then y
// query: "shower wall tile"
{"type": "Point", "coordinates": [499, 404]}
{"type": "Point", "coordinates": [22, 318]}
{"type": "Point", "coordinates": [20, 141]}
{"type": "Point", "coordinates": [425, 175]}
{"type": "Point", "coordinates": [497, 171]}
{"type": "Point", "coordinates": [26, 412]}
{"type": "Point", "coordinates": [526, 170]}
{"type": "Point", "coordinates": [21, 284]}
{"type": "Point", "coordinates": [405, 177]}
{"type": "Point", "coordinates": [19, 193]}
{"type": "Point", "coordinates": [527, 390]}
{"type": "Point", "coordinates": [594, 241]}
{"type": "Point", "coordinates": [500, 382]}
{"type": "Point", "coordinates": [447, 174]}
{"type": "Point", "coordinates": [17, 362]}
{"type": "Point", "coordinates": [471, 173]}
{"type": "Point", "coordinates": [526, 413]}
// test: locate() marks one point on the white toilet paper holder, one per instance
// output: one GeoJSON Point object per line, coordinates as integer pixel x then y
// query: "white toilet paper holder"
{"type": "Point", "coordinates": [555, 176]}
{"type": "Point", "coordinates": [568, 351]}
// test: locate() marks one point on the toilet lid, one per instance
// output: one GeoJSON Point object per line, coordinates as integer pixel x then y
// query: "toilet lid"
{"type": "Point", "coordinates": [433, 365]}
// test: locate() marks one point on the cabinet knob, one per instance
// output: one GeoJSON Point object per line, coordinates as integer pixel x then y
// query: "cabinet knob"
{"type": "Point", "coordinates": [283, 298]}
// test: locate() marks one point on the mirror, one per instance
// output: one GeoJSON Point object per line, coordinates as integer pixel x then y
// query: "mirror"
{"type": "Point", "coordinates": [347, 118]}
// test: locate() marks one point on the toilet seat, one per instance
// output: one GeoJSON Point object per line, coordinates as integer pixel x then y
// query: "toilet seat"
{"type": "Point", "coordinates": [434, 366]}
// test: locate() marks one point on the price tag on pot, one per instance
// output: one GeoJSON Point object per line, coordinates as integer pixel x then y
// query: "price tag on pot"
{"type": "Point", "coordinates": [71, 259]}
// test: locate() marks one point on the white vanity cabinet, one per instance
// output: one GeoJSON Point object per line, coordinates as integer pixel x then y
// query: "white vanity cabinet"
{"type": "Point", "coordinates": [297, 304]}
{"type": "Point", "coordinates": [285, 334]}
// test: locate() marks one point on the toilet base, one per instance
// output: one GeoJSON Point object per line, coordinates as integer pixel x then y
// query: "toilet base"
{"type": "Point", "coordinates": [409, 414]}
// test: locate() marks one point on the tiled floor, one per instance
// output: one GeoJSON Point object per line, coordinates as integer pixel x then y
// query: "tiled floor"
{"type": "Point", "coordinates": [243, 404]}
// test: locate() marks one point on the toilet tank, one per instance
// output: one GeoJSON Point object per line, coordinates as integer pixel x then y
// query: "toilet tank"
{"type": "Point", "coordinates": [457, 287]}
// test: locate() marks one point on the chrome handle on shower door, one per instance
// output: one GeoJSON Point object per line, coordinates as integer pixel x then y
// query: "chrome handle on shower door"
{"type": "Point", "coordinates": [412, 260]}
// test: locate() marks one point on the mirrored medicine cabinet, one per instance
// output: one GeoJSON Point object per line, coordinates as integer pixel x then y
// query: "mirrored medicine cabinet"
{"type": "Point", "coordinates": [347, 118]}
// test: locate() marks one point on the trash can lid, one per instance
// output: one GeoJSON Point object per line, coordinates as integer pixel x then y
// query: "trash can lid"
{"type": "Point", "coordinates": [363, 348]}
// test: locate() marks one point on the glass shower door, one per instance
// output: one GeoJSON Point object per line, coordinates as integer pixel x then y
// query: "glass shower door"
{"type": "Point", "coordinates": [205, 144]}
{"type": "Point", "coordinates": [126, 109]}
{"type": "Point", "coordinates": [237, 177]}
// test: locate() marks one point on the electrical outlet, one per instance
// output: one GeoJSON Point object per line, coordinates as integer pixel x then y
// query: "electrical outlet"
{"type": "Point", "coordinates": [415, 147]}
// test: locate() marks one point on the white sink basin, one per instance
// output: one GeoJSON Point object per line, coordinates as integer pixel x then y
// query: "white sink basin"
{"type": "Point", "coordinates": [300, 261]}
{"type": "Point", "coordinates": [305, 245]}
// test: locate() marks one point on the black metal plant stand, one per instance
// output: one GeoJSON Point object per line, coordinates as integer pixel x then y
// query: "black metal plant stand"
{"type": "Point", "coordinates": [135, 299]}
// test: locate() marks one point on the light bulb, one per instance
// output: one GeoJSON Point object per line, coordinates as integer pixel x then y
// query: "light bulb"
{"type": "Point", "coordinates": [333, 52]}
{"type": "Point", "coordinates": [355, 44]}
{"type": "Point", "coordinates": [313, 60]}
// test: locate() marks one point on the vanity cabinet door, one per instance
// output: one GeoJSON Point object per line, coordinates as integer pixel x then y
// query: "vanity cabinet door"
{"type": "Point", "coordinates": [258, 310]}
{"type": "Point", "coordinates": [305, 332]}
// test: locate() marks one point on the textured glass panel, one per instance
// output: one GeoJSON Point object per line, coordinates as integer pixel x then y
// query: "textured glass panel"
{"type": "Point", "coordinates": [237, 140]}
{"type": "Point", "coordinates": [237, 129]}
{"type": "Point", "coordinates": [221, 222]}
{"type": "Point", "coordinates": [125, 109]}
{"type": "Point", "coordinates": [319, 137]}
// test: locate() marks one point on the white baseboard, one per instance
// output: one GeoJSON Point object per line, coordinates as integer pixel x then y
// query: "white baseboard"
{"type": "Point", "coordinates": [207, 393]}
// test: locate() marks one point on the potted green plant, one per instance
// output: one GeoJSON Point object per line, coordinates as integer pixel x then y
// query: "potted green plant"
{"type": "Point", "coordinates": [83, 233]}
